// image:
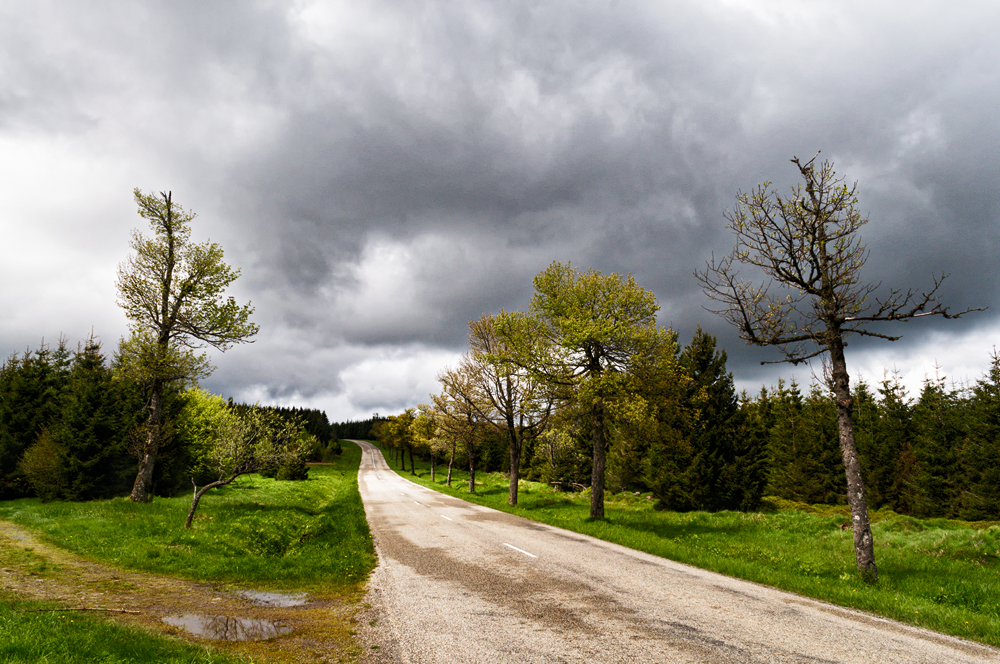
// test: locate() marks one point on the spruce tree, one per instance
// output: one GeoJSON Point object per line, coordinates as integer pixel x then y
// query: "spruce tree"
{"type": "Point", "coordinates": [980, 455]}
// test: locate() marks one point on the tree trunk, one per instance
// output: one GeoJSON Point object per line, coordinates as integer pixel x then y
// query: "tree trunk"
{"type": "Point", "coordinates": [413, 468]}
{"type": "Point", "coordinates": [472, 471]}
{"type": "Point", "coordinates": [402, 459]}
{"type": "Point", "coordinates": [199, 493]}
{"type": "Point", "coordinates": [515, 464]}
{"type": "Point", "coordinates": [433, 460]}
{"type": "Point", "coordinates": [597, 474]}
{"type": "Point", "coordinates": [864, 543]}
{"type": "Point", "coordinates": [143, 486]}
{"type": "Point", "coordinates": [451, 462]}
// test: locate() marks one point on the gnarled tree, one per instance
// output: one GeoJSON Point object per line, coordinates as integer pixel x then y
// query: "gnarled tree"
{"type": "Point", "coordinates": [246, 443]}
{"type": "Point", "coordinates": [172, 292]}
{"type": "Point", "coordinates": [809, 244]}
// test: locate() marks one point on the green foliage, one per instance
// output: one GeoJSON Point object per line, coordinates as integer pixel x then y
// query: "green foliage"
{"type": "Point", "coordinates": [803, 453]}
{"type": "Point", "coordinates": [939, 430]}
{"type": "Point", "coordinates": [64, 424]}
{"type": "Point", "coordinates": [31, 388]}
{"type": "Point", "coordinates": [97, 416]}
{"type": "Point", "coordinates": [172, 292]}
{"type": "Point", "coordinates": [713, 462]}
{"type": "Point", "coordinates": [172, 289]}
{"type": "Point", "coordinates": [43, 466]}
{"type": "Point", "coordinates": [200, 419]}
{"type": "Point", "coordinates": [980, 455]}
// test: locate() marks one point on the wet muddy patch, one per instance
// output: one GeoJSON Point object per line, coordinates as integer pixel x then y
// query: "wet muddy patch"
{"type": "Point", "coordinates": [277, 600]}
{"type": "Point", "coordinates": [227, 628]}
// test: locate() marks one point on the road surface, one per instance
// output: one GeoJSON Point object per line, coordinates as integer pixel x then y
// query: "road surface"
{"type": "Point", "coordinates": [458, 582]}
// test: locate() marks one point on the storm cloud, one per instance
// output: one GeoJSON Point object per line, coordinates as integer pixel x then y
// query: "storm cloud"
{"type": "Point", "coordinates": [382, 172]}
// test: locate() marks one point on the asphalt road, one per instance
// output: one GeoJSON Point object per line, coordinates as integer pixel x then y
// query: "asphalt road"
{"type": "Point", "coordinates": [457, 582]}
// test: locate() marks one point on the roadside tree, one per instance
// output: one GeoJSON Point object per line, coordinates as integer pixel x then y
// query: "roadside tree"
{"type": "Point", "coordinates": [460, 421]}
{"type": "Point", "coordinates": [516, 402]}
{"type": "Point", "coordinates": [808, 243]}
{"type": "Point", "coordinates": [590, 328]}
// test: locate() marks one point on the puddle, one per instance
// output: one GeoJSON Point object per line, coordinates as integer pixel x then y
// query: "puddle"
{"type": "Point", "coordinates": [226, 628]}
{"type": "Point", "coordinates": [281, 600]}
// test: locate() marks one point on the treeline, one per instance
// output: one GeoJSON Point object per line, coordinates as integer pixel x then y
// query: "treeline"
{"type": "Point", "coordinates": [71, 427]}
{"type": "Point", "coordinates": [935, 455]}
{"type": "Point", "coordinates": [585, 391]}
{"type": "Point", "coordinates": [358, 429]}
{"type": "Point", "coordinates": [678, 431]}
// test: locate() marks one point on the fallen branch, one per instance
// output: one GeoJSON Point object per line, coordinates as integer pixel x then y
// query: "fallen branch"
{"type": "Point", "coordinates": [84, 608]}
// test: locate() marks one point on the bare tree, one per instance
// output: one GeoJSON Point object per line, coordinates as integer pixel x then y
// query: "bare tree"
{"type": "Point", "coordinates": [809, 244]}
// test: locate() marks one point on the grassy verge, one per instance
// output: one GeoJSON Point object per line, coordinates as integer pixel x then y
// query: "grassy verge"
{"type": "Point", "coordinates": [258, 532]}
{"type": "Point", "coordinates": [295, 536]}
{"type": "Point", "coordinates": [934, 573]}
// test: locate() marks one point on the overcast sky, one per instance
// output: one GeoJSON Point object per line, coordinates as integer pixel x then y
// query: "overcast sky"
{"type": "Point", "coordinates": [382, 172]}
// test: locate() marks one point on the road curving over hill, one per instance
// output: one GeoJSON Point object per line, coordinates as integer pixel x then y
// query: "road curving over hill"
{"type": "Point", "coordinates": [458, 582]}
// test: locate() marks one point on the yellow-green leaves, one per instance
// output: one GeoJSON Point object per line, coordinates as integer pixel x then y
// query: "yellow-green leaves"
{"type": "Point", "coordinates": [172, 291]}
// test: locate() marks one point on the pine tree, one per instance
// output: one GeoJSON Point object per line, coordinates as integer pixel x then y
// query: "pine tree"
{"type": "Point", "coordinates": [980, 456]}
{"type": "Point", "coordinates": [803, 455]}
{"type": "Point", "coordinates": [96, 415]}
{"type": "Point", "coordinates": [939, 435]}
{"type": "Point", "coordinates": [31, 389]}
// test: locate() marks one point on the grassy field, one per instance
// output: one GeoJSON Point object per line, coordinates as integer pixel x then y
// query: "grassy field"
{"type": "Point", "coordinates": [294, 536]}
{"type": "Point", "coordinates": [934, 573]}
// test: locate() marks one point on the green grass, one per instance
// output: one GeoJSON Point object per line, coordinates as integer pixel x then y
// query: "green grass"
{"type": "Point", "coordinates": [935, 573]}
{"type": "Point", "coordinates": [303, 536]}
{"type": "Point", "coordinates": [258, 532]}
{"type": "Point", "coordinates": [30, 633]}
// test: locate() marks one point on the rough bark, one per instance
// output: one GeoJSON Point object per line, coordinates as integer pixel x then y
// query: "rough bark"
{"type": "Point", "coordinates": [413, 468]}
{"type": "Point", "coordinates": [864, 543]}
{"type": "Point", "coordinates": [472, 470]}
{"type": "Point", "coordinates": [515, 468]}
{"type": "Point", "coordinates": [597, 474]}
{"type": "Point", "coordinates": [515, 456]}
{"type": "Point", "coordinates": [143, 486]}
{"type": "Point", "coordinates": [451, 463]}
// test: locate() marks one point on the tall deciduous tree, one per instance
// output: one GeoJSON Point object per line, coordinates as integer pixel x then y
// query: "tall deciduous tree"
{"type": "Point", "coordinates": [515, 401]}
{"type": "Point", "coordinates": [594, 326]}
{"type": "Point", "coordinates": [172, 292]}
{"type": "Point", "coordinates": [809, 244]}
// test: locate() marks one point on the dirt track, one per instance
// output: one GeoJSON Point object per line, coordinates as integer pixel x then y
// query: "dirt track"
{"type": "Point", "coordinates": [32, 569]}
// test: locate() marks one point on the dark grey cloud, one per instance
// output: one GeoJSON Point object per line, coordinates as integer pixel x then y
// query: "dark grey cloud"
{"type": "Point", "coordinates": [385, 171]}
